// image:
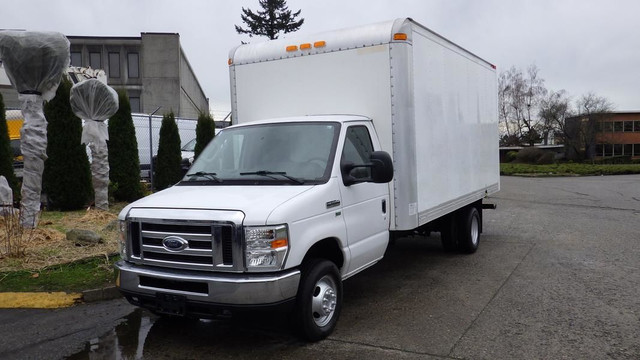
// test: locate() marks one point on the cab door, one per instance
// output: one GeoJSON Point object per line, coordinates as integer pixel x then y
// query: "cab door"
{"type": "Point", "coordinates": [365, 205]}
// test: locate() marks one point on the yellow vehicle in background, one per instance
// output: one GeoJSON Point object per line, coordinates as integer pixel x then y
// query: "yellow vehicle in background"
{"type": "Point", "coordinates": [14, 124]}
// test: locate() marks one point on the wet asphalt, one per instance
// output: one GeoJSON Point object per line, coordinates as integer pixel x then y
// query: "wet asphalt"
{"type": "Point", "coordinates": [556, 276]}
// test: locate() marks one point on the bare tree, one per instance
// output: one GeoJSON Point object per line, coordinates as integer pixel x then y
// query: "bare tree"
{"type": "Point", "coordinates": [519, 95]}
{"type": "Point", "coordinates": [592, 109]}
{"type": "Point", "coordinates": [554, 108]}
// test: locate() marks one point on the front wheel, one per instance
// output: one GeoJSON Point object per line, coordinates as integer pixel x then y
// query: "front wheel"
{"type": "Point", "coordinates": [319, 299]}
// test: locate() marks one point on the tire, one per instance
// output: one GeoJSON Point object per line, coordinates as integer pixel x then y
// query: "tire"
{"type": "Point", "coordinates": [319, 299]}
{"type": "Point", "coordinates": [448, 233]}
{"type": "Point", "coordinates": [469, 235]}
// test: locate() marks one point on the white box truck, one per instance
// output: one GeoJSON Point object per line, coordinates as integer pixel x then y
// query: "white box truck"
{"type": "Point", "coordinates": [283, 206]}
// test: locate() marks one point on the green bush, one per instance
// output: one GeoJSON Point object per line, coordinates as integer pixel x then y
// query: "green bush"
{"type": "Point", "coordinates": [623, 159]}
{"type": "Point", "coordinates": [67, 177]}
{"type": "Point", "coordinates": [168, 170]}
{"type": "Point", "coordinates": [205, 131]}
{"type": "Point", "coordinates": [565, 169]}
{"type": "Point", "coordinates": [511, 156]}
{"type": "Point", "coordinates": [532, 155]}
{"type": "Point", "coordinates": [124, 164]}
{"type": "Point", "coordinates": [6, 154]}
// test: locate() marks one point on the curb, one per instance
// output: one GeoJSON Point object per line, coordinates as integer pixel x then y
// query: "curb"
{"type": "Point", "coordinates": [105, 293]}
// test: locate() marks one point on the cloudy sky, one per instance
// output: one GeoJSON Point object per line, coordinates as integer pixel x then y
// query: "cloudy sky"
{"type": "Point", "coordinates": [578, 45]}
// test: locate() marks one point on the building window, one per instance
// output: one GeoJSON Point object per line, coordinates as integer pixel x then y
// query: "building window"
{"type": "Point", "coordinates": [618, 126]}
{"type": "Point", "coordinates": [114, 65]}
{"type": "Point", "coordinates": [135, 104]}
{"type": "Point", "coordinates": [76, 58]}
{"type": "Point", "coordinates": [628, 126]}
{"type": "Point", "coordinates": [636, 149]}
{"type": "Point", "coordinates": [132, 63]}
{"type": "Point", "coordinates": [608, 150]}
{"type": "Point", "coordinates": [627, 149]}
{"type": "Point", "coordinates": [636, 126]}
{"type": "Point", "coordinates": [94, 60]}
{"type": "Point", "coordinates": [608, 127]}
{"type": "Point", "coordinates": [617, 149]}
{"type": "Point", "coordinates": [599, 149]}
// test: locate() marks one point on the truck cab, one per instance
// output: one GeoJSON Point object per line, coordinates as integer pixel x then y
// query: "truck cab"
{"type": "Point", "coordinates": [268, 210]}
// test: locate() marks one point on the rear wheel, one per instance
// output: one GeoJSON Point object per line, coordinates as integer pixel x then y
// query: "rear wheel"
{"type": "Point", "coordinates": [469, 236]}
{"type": "Point", "coordinates": [319, 299]}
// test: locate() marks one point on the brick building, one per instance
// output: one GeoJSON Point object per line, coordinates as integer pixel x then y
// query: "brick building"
{"type": "Point", "coordinates": [599, 136]}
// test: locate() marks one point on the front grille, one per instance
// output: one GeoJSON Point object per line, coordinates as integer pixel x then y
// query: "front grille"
{"type": "Point", "coordinates": [211, 245]}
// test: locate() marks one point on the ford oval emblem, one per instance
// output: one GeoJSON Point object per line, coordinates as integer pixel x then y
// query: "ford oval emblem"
{"type": "Point", "coordinates": [174, 243]}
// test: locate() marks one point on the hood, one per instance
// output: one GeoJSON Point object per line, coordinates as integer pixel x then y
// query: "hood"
{"type": "Point", "coordinates": [256, 202]}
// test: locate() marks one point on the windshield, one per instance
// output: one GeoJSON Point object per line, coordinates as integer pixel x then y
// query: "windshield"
{"type": "Point", "coordinates": [284, 153]}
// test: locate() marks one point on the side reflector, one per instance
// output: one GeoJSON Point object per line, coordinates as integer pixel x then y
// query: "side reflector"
{"type": "Point", "coordinates": [292, 48]}
{"type": "Point", "coordinates": [399, 36]}
{"type": "Point", "coordinates": [305, 46]}
{"type": "Point", "coordinates": [230, 61]}
{"type": "Point", "coordinates": [319, 44]}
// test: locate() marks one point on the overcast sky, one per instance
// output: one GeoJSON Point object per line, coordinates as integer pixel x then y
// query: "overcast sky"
{"type": "Point", "coordinates": [578, 45]}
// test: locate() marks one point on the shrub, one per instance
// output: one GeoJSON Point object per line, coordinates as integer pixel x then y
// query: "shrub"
{"type": "Point", "coordinates": [6, 154]}
{"type": "Point", "coordinates": [205, 131]}
{"type": "Point", "coordinates": [546, 158]}
{"type": "Point", "coordinates": [124, 164]}
{"type": "Point", "coordinates": [169, 169]}
{"type": "Point", "coordinates": [67, 177]}
{"type": "Point", "coordinates": [511, 156]}
{"type": "Point", "coordinates": [529, 155]}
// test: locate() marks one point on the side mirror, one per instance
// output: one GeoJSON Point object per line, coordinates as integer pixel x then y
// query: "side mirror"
{"type": "Point", "coordinates": [381, 167]}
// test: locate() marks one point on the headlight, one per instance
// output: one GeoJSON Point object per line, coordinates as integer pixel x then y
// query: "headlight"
{"type": "Point", "coordinates": [122, 239]}
{"type": "Point", "coordinates": [266, 247]}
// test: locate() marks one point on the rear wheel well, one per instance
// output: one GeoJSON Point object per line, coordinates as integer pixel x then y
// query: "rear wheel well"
{"type": "Point", "coordinates": [326, 249]}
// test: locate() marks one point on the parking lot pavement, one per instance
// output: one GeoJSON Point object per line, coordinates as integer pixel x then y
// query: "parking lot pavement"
{"type": "Point", "coordinates": [556, 276]}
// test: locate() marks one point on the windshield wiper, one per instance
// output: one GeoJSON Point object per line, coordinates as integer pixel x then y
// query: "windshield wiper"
{"type": "Point", "coordinates": [269, 173]}
{"type": "Point", "coordinates": [208, 175]}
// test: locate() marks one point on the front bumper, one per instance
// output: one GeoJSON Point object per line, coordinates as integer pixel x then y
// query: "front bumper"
{"type": "Point", "coordinates": [216, 289]}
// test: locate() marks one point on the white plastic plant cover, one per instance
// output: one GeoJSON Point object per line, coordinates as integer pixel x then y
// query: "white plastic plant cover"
{"type": "Point", "coordinates": [95, 102]}
{"type": "Point", "coordinates": [34, 63]}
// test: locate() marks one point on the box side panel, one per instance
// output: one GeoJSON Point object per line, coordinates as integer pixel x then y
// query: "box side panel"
{"type": "Point", "coordinates": [456, 126]}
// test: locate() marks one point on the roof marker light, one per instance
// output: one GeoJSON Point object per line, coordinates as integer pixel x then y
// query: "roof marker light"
{"type": "Point", "coordinates": [292, 48]}
{"type": "Point", "coordinates": [318, 44]}
{"type": "Point", "coordinates": [305, 46]}
{"type": "Point", "coordinates": [399, 36]}
{"type": "Point", "coordinates": [230, 61]}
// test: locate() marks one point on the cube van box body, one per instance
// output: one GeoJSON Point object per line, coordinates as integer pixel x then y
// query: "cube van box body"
{"type": "Point", "coordinates": [341, 141]}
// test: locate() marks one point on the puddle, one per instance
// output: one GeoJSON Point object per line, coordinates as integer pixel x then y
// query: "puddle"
{"type": "Point", "coordinates": [125, 341]}
{"type": "Point", "coordinates": [144, 335]}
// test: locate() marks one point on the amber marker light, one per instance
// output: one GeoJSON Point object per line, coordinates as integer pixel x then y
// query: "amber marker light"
{"type": "Point", "coordinates": [305, 46]}
{"type": "Point", "coordinates": [399, 36]}
{"type": "Point", "coordinates": [278, 243]}
{"type": "Point", "coordinates": [319, 44]}
{"type": "Point", "coordinates": [291, 48]}
{"type": "Point", "coordinates": [230, 61]}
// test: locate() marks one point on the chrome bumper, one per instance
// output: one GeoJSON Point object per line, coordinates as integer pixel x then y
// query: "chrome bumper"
{"type": "Point", "coordinates": [214, 288]}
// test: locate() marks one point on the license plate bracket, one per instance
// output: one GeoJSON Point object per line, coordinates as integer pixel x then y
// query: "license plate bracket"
{"type": "Point", "coordinates": [171, 304]}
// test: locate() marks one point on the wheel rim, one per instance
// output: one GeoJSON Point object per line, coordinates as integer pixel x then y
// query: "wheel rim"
{"type": "Point", "coordinates": [475, 230]}
{"type": "Point", "coordinates": [323, 301]}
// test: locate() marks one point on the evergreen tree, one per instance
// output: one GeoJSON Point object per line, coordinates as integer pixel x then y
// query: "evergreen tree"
{"type": "Point", "coordinates": [168, 170]}
{"type": "Point", "coordinates": [6, 153]}
{"type": "Point", "coordinates": [275, 17]}
{"type": "Point", "coordinates": [205, 131]}
{"type": "Point", "coordinates": [124, 164]}
{"type": "Point", "coordinates": [67, 178]}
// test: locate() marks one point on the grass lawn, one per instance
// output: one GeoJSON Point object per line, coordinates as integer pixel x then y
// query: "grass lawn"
{"type": "Point", "coordinates": [568, 169]}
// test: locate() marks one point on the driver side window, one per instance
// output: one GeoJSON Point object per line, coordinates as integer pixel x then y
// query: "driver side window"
{"type": "Point", "coordinates": [357, 150]}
